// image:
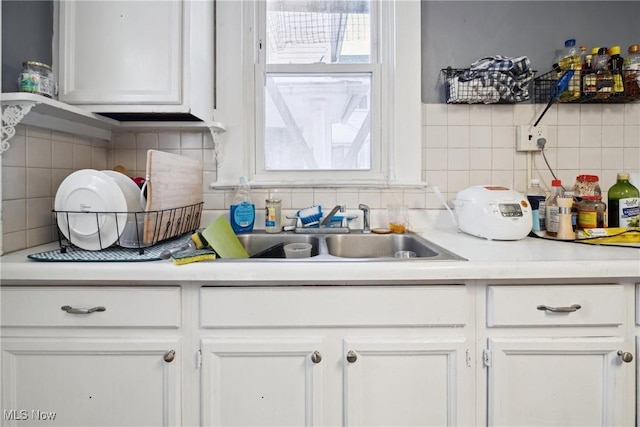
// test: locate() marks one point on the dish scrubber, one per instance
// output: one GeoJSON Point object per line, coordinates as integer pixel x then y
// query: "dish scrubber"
{"type": "Point", "coordinates": [197, 242]}
{"type": "Point", "coordinates": [310, 215]}
{"type": "Point", "coordinates": [187, 257]}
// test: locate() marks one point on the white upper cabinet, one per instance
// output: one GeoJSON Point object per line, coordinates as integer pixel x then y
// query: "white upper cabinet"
{"type": "Point", "coordinates": [138, 57]}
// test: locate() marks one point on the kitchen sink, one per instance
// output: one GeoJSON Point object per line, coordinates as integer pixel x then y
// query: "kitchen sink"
{"type": "Point", "coordinates": [401, 246]}
{"type": "Point", "coordinates": [347, 247]}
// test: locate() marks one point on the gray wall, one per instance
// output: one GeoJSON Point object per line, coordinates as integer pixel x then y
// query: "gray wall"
{"type": "Point", "coordinates": [456, 33]}
{"type": "Point", "coordinates": [27, 30]}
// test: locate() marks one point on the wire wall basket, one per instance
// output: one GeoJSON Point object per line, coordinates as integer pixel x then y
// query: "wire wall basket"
{"type": "Point", "coordinates": [589, 89]}
{"type": "Point", "coordinates": [462, 86]}
{"type": "Point", "coordinates": [96, 231]}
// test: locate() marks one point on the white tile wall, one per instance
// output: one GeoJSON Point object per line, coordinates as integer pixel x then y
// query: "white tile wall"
{"type": "Point", "coordinates": [462, 145]}
{"type": "Point", "coordinates": [32, 169]}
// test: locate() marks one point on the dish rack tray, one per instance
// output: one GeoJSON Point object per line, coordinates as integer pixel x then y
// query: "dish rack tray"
{"type": "Point", "coordinates": [149, 227]}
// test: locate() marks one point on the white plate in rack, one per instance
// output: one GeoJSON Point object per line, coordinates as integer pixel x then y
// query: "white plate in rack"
{"type": "Point", "coordinates": [87, 191]}
{"type": "Point", "coordinates": [133, 233]}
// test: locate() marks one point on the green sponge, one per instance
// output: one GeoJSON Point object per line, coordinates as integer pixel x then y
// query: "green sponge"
{"type": "Point", "coordinates": [187, 257]}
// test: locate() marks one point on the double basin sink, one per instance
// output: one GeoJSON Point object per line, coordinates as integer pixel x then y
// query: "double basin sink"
{"type": "Point", "coordinates": [348, 247]}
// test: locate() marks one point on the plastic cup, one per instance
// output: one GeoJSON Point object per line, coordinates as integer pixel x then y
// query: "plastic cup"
{"type": "Point", "coordinates": [398, 218]}
{"type": "Point", "coordinates": [297, 250]}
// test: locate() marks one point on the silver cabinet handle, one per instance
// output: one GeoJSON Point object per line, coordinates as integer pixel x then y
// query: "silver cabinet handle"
{"type": "Point", "coordinates": [316, 357]}
{"type": "Point", "coordinates": [72, 310]}
{"type": "Point", "coordinates": [169, 356]}
{"type": "Point", "coordinates": [570, 309]}
{"type": "Point", "coordinates": [352, 356]}
{"type": "Point", "coordinates": [625, 356]}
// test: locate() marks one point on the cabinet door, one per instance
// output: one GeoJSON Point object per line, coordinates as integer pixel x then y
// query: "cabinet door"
{"type": "Point", "coordinates": [410, 381]}
{"type": "Point", "coordinates": [262, 381]}
{"type": "Point", "coordinates": [90, 382]}
{"type": "Point", "coordinates": [121, 52]}
{"type": "Point", "coordinates": [558, 381]}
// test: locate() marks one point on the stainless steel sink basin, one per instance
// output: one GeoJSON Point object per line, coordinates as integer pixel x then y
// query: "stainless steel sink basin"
{"type": "Point", "coordinates": [347, 247]}
{"type": "Point", "coordinates": [266, 245]}
{"type": "Point", "coordinates": [403, 246]}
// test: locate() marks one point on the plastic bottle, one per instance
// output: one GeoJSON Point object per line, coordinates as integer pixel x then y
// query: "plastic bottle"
{"type": "Point", "coordinates": [624, 208]}
{"type": "Point", "coordinates": [537, 197]}
{"type": "Point", "coordinates": [242, 213]}
{"type": "Point", "coordinates": [604, 79]}
{"type": "Point", "coordinates": [571, 61]}
{"type": "Point", "coordinates": [631, 72]}
{"type": "Point", "coordinates": [615, 66]}
{"type": "Point", "coordinates": [551, 208]}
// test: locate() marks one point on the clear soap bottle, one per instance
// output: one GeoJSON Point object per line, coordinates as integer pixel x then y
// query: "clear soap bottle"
{"type": "Point", "coordinates": [242, 213]}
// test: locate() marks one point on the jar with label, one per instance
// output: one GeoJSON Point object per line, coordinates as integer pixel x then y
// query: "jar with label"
{"type": "Point", "coordinates": [36, 77]}
{"type": "Point", "coordinates": [587, 185]}
{"type": "Point", "coordinates": [273, 215]}
{"type": "Point", "coordinates": [592, 212]}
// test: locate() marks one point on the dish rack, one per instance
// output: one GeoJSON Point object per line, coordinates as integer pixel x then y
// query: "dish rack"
{"type": "Point", "coordinates": [150, 227]}
{"type": "Point", "coordinates": [543, 85]}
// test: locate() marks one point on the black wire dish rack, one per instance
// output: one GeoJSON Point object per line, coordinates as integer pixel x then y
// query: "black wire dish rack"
{"type": "Point", "coordinates": [132, 230]}
{"type": "Point", "coordinates": [587, 88]}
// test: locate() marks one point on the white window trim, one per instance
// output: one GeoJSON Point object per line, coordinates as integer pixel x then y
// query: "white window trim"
{"type": "Point", "coordinates": [400, 124]}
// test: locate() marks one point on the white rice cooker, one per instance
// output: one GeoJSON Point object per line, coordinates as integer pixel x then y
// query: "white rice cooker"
{"type": "Point", "coordinates": [493, 212]}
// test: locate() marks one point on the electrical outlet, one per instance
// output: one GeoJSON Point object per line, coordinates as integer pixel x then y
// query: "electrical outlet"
{"type": "Point", "coordinates": [530, 138]}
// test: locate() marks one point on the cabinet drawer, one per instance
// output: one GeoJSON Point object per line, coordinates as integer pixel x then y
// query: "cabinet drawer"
{"type": "Point", "coordinates": [333, 306]}
{"type": "Point", "coordinates": [638, 304]}
{"type": "Point", "coordinates": [124, 306]}
{"type": "Point", "coordinates": [518, 305]}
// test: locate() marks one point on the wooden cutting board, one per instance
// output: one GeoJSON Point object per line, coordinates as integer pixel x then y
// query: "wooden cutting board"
{"type": "Point", "coordinates": [173, 181]}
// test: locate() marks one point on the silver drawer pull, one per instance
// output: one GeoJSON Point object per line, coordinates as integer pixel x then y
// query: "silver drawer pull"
{"type": "Point", "coordinates": [72, 310]}
{"type": "Point", "coordinates": [316, 357]}
{"type": "Point", "coordinates": [352, 356]}
{"type": "Point", "coordinates": [570, 309]}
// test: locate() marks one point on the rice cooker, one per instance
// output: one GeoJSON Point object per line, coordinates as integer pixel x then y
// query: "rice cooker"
{"type": "Point", "coordinates": [493, 212]}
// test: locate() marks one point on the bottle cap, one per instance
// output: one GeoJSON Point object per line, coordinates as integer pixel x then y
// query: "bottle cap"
{"type": "Point", "coordinates": [587, 178]}
{"type": "Point", "coordinates": [570, 43]}
{"type": "Point", "coordinates": [623, 176]}
{"type": "Point", "coordinates": [614, 50]}
{"type": "Point", "coordinates": [634, 48]}
{"type": "Point", "coordinates": [556, 183]}
{"type": "Point", "coordinates": [583, 48]}
{"type": "Point", "coordinates": [602, 51]}
{"type": "Point", "coordinates": [594, 51]}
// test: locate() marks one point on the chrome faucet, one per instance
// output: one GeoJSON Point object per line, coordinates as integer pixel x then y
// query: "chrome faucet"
{"type": "Point", "coordinates": [327, 219]}
{"type": "Point", "coordinates": [365, 218]}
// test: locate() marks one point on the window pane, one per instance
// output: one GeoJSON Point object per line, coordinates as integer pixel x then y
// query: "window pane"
{"type": "Point", "coordinates": [329, 31]}
{"type": "Point", "coordinates": [317, 121]}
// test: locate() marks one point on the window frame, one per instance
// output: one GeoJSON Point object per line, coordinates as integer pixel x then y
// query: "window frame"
{"type": "Point", "coordinates": [397, 121]}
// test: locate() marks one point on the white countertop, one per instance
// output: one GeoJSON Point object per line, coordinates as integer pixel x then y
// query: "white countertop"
{"type": "Point", "coordinates": [529, 258]}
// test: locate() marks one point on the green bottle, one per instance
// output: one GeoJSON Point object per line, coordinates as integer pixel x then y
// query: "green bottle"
{"type": "Point", "coordinates": [624, 210]}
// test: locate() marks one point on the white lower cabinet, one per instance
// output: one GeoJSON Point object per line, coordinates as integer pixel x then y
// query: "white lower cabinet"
{"type": "Point", "coordinates": [556, 382]}
{"type": "Point", "coordinates": [323, 356]}
{"type": "Point", "coordinates": [91, 356]}
{"type": "Point", "coordinates": [554, 356]}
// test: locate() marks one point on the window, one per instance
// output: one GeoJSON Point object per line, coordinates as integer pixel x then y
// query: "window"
{"type": "Point", "coordinates": [328, 96]}
{"type": "Point", "coordinates": [317, 115]}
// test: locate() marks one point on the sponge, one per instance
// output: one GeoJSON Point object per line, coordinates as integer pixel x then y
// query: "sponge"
{"type": "Point", "coordinates": [187, 257]}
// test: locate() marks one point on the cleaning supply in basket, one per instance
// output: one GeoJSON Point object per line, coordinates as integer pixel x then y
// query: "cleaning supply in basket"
{"type": "Point", "coordinates": [242, 213]}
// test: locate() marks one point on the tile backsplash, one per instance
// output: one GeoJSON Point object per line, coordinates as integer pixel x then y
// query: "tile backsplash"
{"type": "Point", "coordinates": [461, 145]}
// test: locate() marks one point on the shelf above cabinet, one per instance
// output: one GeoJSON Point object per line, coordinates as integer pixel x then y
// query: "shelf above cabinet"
{"type": "Point", "coordinates": [40, 111]}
